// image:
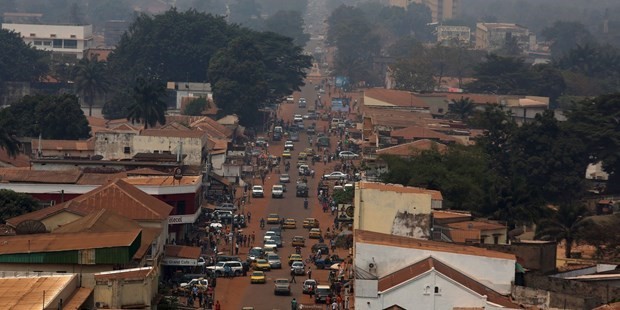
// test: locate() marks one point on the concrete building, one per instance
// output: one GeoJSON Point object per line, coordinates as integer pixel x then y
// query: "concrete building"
{"type": "Point", "coordinates": [493, 36]}
{"type": "Point", "coordinates": [395, 272]}
{"type": "Point", "coordinates": [44, 291]}
{"type": "Point", "coordinates": [65, 40]}
{"type": "Point", "coordinates": [128, 288]}
{"type": "Point", "coordinates": [187, 91]}
{"type": "Point", "coordinates": [440, 9]}
{"type": "Point", "coordinates": [453, 35]}
{"type": "Point", "coordinates": [63, 148]}
{"type": "Point", "coordinates": [394, 209]}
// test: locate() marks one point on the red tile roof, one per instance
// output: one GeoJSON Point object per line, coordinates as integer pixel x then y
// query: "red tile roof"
{"type": "Point", "coordinates": [118, 196]}
{"type": "Point", "coordinates": [476, 225]}
{"type": "Point", "coordinates": [212, 128]}
{"type": "Point", "coordinates": [418, 132]}
{"type": "Point", "coordinates": [181, 251]}
{"type": "Point", "coordinates": [20, 160]}
{"type": "Point", "coordinates": [370, 237]}
{"type": "Point", "coordinates": [431, 263]}
{"type": "Point", "coordinates": [445, 214]}
{"type": "Point", "coordinates": [413, 148]}
{"type": "Point", "coordinates": [16, 175]}
{"type": "Point", "coordinates": [393, 97]}
{"type": "Point", "coordinates": [435, 195]}
{"type": "Point", "coordinates": [173, 133]}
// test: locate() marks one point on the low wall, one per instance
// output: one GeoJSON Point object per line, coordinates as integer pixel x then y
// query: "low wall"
{"type": "Point", "coordinates": [531, 297]}
{"type": "Point", "coordinates": [592, 294]}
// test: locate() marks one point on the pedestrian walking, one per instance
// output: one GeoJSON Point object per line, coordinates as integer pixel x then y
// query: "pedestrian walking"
{"type": "Point", "coordinates": [334, 305]}
{"type": "Point", "coordinates": [237, 249]}
{"type": "Point", "coordinates": [217, 305]}
{"type": "Point", "coordinates": [294, 304]}
{"type": "Point", "coordinates": [309, 273]}
{"type": "Point", "coordinates": [293, 277]}
{"type": "Point", "coordinates": [249, 215]}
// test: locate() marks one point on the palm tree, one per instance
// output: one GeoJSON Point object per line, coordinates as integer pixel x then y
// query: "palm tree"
{"type": "Point", "coordinates": [148, 106]}
{"type": "Point", "coordinates": [564, 225]}
{"type": "Point", "coordinates": [90, 80]}
{"type": "Point", "coordinates": [9, 142]}
{"type": "Point", "coordinates": [463, 107]}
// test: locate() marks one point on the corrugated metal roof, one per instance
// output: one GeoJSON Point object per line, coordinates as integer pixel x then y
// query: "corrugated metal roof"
{"type": "Point", "coordinates": [412, 148]}
{"type": "Point", "coordinates": [64, 145]}
{"type": "Point", "coordinates": [118, 196]}
{"type": "Point", "coordinates": [181, 251]}
{"type": "Point", "coordinates": [436, 195]}
{"type": "Point", "coordinates": [26, 293]}
{"type": "Point", "coordinates": [77, 300]}
{"type": "Point", "coordinates": [48, 242]}
{"type": "Point", "coordinates": [16, 175]}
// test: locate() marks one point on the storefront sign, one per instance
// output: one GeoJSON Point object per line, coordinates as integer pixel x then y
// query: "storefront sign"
{"type": "Point", "coordinates": [174, 261]}
{"type": "Point", "coordinates": [185, 218]}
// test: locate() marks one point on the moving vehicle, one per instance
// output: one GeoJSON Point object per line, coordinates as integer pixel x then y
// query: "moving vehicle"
{"type": "Point", "coordinates": [347, 155]}
{"type": "Point", "coordinates": [262, 265]}
{"type": "Point", "coordinates": [220, 268]}
{"type": "Point", "coordinates": [294, 136]}
{"type": "Point", "coordinates": [311, 223]}
{"type": "Point", "coordinates": [321, 292]}
{"type": "Point", "coordinates": [288, 145]}
{"type": "Point", "coordinates": [277, 191]}
{"type": "Point", "coordinates": [268, 235]}
{"type": "Point", "coordinates": [257, 191]}
{"type": "Point", "coordinates": [298, 268]}
{"type": "Point", "coordinates": [281, 287]}
{"type": "Point", "coordinates": [294, 258]}
{"type": "Point", "coordinates": [255, 253]}
{"type": "Point", "coordinates": [322, 247]}
{"type": "Point", "coordinates": [273, 218]}
{"type": "Point", "coordinates": [336, 175]}
{"type": "Point", "coordinates": [261, 141]}
{"type": "Point", "coordinates": [302, 190]}
{"type": "Point", "coordinates": [315, 233]}
{"type": "Point", "coordinates": [274, 261]}
{"type": "Point", "coordinates": [290, 99]}
{"type": "Point", "coordinates": [258, 277]}
{"type": "Point", "coordinates": [290, 223]}
{"type": "Point", "coordinates": [286, 154]}
{"type": "Point", "coordinates": [298, 118]}
{"type": "Point", "coordinates": [309, 286]}
{"type": "Point", "coordinates": [298, 241]}
{"type": "Point", "coordinates": [196, 282]}
{"type": "Point", "coordinates": [285, 178]}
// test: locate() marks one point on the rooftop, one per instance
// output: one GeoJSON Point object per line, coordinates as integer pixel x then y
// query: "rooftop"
{"type": "Point", "coordinates": [476, 98]}
{"type": "Point", "coordinates": [419, 132]}
{"type": "Point", "coordinates": [446, 214]}
{"type": "Point", "coordinates": [63, 145]}
{"type": "Point", "coordinates": [26, 293]}
{"type": "Point", "coordinates": [125, 274]}
{"type": "Point", "coordinates": [369, 237]}
{"type": "Point", "coordinates": [476, 225]}
{"type": "Point", "coordinates": [431, 263]}
{"type": "Point", "coordinates": [196, 134]}
{"type": "Point", "coordinates": [391, 97]}
{"type": "Point", "coordinates": [57, 242]}
{"type": "Point", "coordinates": [117, 196]}
{"type": "Point", "coordinates": [413, 148]}
{"type": "Point", "coordinates": [436, 195]}
{"type": "Point", "coordinates": [181, 251]}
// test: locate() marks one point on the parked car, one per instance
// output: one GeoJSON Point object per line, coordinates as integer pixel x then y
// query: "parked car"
{"type": "Point", "coordinates": [347, 155]}
{"type": "Point", "coordinates": [196, 282]}
{"type": "Point", "coordinates": [311, 223]}
{"type": "Point", "coordinates": [220, 268]}
{"type": "Point", "coordinates": [257, 191]}
{"type": "Point", "coordinates": [288, 145]}
{"type": "Point", "coordinates": [282, 287]}
{"type": "Point", "coordinates": [277, 191]}
{"type": "Point", "coordinates": [320, 246]}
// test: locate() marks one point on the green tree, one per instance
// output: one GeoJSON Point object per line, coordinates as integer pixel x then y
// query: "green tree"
{"type": "Point", "coordinates": [565, 35]}
{"type": "Point", "coordinates": [239, 67]}
{"type": "Point", "coordinates": [117, 107]}
{"type": "Point", "coordinates": [14, 204]}
{"type": "Point", "coordinates": [565, 225]}
{"type": "Point", "coordinates": [91, 80]}
{"type": "Point", "coordinates": [414, 74]}
{"type": "Point", "coordinates": [501, 75]}
{"type": "Point", "coordinates": [596, 122]}
{"type": "Point", "coordinates": [289, 24]}
{"type": "Point", "coordinates": [148, 106]}
{"type": "Point", "coordinates": [196, 107]}
{"type": "Point", "coordinates": [462, 108]}
{"type": "Point", "coordinates": [8, 140]}
{"type": "Point", "coordinates": [18, 61]}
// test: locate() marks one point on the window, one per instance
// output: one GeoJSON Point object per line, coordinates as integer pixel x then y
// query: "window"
{"type": "Point", "coordinates": [57, 43]}
{"type": "Point", "coordinates": [437, 290]}
{"type": "Point", "coordinates": [47, 43]}
{"type": "Point", "coordinates": [72, 36]}
{"type": "Point", "coordinates": [39, 43]}
{"type": "Point", "coordinates": [70, 43]}
{"type": "Point", "coordinates": [127, 150]}
{"type": "Point", "coordinates": [33, 35]}
{"type": "Point", "coordinates": [52, 35]}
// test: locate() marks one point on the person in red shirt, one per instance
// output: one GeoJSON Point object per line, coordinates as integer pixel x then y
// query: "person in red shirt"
{"type": "Point", "coordinates": [217, 305]}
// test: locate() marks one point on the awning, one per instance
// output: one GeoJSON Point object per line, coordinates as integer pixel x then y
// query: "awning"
{"type": "Point", "coordinates": [179, 255]}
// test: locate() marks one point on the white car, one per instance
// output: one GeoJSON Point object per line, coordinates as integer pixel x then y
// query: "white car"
{"type": "Point", "coordinates": [285, 178]}
{"type": "Point", "coordinates": [290, 99]}
{"type": "Point", "coordinates": [277, 191]}
{"type": "Point", "coordinates": [197, 282]}
{"type": "Point", "coordinates": [298, 118]}
{"type": "Point", "coordinates": [288, 145]}
{"type": "Point", "coordinates": [336, 175]}
{"type": "Point", "coordinates": [347, 155]}
{"type": "Point", "coordinates": [257, 191]}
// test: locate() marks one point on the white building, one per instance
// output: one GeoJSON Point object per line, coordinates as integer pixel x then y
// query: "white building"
{"type": "Point", "coordinates": [66, 40]}
{"type": "Point", "coordinates": [453, 35]}
{"type": "Point", "coordinates": [394, 272]}
{"type": "Point", "coordinates": [187, 91]}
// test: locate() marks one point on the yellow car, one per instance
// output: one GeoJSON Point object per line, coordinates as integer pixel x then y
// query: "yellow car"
{"type": "Point", "coordinates": [309, 151]}
{"type": "Point", "coordinates": [262, 265]}
{"type": "Point", "coordinates": [290, 224]}
{"type": "Point", "coordinates": [294, 258]}
{"type": "Point", "coordinates": [273, 218]}
{"type": "Point", "coordinates": [286, 154]}
{"type": "Point", "coordinates": [302, 156]}
{"type": "Point", "coordinates": [299, 241]}
{"type": "Point", "coordinates": [258, 277]}
{"type": "Point", "coordinates": [311, 223]}
{"type": "Point", "coordinates": [315, 233]}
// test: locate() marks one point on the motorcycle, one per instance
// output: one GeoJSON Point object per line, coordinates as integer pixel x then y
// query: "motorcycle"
{"type": "Point", "coordinates": [262, 224]}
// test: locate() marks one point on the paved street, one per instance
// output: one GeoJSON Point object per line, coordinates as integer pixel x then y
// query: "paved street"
{"type": "Point", "coordinates": [237, 292]}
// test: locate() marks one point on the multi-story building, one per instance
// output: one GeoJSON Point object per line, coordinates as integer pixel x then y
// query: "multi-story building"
{"type": "Point", "coordinates": [493, 36]}
{"type": "Point", "coordinates": [64, 40]}
{"type": "Point", "coordinates": [453, 35]}
{"type": "Point", "coordinates": [440, 9]}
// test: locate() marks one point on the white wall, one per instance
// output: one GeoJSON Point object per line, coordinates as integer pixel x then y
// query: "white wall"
{"type": "Point", "coordinates": [496, 273]}
{"type": "Point", "coordinates": [420, 294]}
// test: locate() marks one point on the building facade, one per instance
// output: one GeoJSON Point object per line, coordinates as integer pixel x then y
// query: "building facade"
{"type": "Point", "coordinates": [65, 40]}
{"type": "Point", "coordinates": [453, 35]}
{"type": "Point", "coordinates": [440, 9]}
{"type": "Point", "coordinates": [493, 36]}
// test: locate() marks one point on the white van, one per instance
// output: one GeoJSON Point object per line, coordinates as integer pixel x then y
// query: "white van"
{"type": "Point", "coordinates": [227, 207]}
